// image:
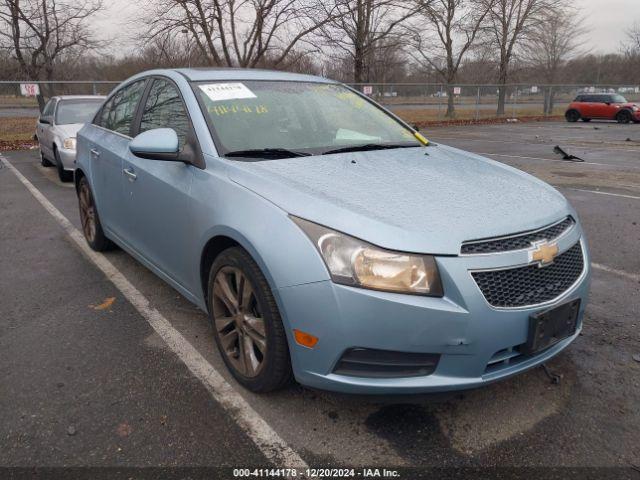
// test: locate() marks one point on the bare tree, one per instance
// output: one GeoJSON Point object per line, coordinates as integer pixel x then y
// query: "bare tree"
{"type": "Point", "coordinates": [632, 43]}
{"type": "Point", "coordinates": [41, 33]}
{"type": "Point", "coordinates": [553, 42]}
{"type": "Point", "coordinates": [454, 28]}
{"type": "Point", "coordinates": [510, 22]}
{"type": "Point", "coordinates": [358, 28]}
{"type": "Point", "coordinates": [243, 33]}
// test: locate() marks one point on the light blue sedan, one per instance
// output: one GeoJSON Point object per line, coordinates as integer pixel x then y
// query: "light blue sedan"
{"type": "Point", "coordinates": [328, 240]}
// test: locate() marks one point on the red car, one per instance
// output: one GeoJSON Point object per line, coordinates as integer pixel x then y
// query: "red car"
{"type": "Point", "coordinates": [603, 106]}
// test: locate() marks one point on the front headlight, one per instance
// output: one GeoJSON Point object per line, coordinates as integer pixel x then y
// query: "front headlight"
{"type": "Point", "coordinates": [69, 143]}
{"type": "Point", "coordinates": [634, 108]}
{"type": "Point", "coordinates": [359, 264]}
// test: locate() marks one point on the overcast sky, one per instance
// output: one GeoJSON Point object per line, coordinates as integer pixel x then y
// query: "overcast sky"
{"type": "Point", "coordinates": [606, 21]}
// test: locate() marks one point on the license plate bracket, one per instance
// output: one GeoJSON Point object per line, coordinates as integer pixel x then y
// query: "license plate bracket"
{"type": "Point", "coordinates": [551, 326]}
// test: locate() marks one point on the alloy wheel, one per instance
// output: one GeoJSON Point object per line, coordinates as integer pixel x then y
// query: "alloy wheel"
{"type": "Point", "coordinates": [238, 321]}
{"type": "Point", "coordinates": [87, 213]}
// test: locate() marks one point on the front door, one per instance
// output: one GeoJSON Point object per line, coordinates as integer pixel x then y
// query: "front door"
{"type": "Point", "coordinates": [108, 143]}
{"type": "Point", "coordinates": [44, 129]}
{"type": "Point", "coordinates": [157, 192]}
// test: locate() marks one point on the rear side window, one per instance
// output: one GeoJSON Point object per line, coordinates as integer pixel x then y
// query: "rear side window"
{"type": "Point", "coordinates": [164, 109]}
{"type": "Point", "coordinates": [118, 112]}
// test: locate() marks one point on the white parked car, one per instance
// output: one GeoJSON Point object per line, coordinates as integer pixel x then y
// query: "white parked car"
{"type": "Point", "coordinates": [57, 127]}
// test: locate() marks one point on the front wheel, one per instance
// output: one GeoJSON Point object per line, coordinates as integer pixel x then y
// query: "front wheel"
{"type": "Point", "coordinates": [63, 175]}
{"type": "Point", "coordinates": [624, 116]}
{"type": "Point", "coordinates": [572, 116]}
{"type": "Point", "coordinates": [91, 226]}
{"type": "Point", "coordinates": [247, 325]}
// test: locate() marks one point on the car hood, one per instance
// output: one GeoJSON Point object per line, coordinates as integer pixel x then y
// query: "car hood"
{"type": "Point", "coordinates": [70, 130]}
{"type": "Point", "coordinates": [426, 200]}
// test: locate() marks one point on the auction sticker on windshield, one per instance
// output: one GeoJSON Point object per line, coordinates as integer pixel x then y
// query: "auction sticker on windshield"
{"type": "Point", "coordinates": [226, 91]}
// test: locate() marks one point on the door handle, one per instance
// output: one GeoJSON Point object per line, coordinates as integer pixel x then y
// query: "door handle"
{"type": "Point", "coordinates": [130, 173]}
{"type": "Point", "coordinates": [95, 152]}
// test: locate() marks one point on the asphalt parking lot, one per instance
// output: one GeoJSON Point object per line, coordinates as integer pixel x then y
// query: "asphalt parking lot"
{"type": "Point", "coordinates": [86, 380]}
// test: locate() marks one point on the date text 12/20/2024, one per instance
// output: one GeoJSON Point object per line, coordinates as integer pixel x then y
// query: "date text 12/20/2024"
{"type": "Point", "coordinates": [315, 473]}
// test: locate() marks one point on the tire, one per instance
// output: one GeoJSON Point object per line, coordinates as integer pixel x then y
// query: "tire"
{"type": "Point", "coordinates": [93, 233]}
{"type": "Point", "coordinates": [247, 326]}
{"type": "Point", "coordinates": [43, 161]}
{"type": "Point", "coordinates": [586, 119]}
{"type": "Point", "coordinates": [624, 116]}
{"type": "Point", "coordinates": [64, 175]}
{"type": "Point", "coordinates": [572, 116]}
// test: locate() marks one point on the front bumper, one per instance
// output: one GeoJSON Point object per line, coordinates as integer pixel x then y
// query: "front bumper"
{"type": "Point", "coordinates": [462, 328]}
{"type": "Point", "coordinates": [68, 158]}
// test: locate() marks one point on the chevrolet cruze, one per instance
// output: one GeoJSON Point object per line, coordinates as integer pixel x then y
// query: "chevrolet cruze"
{"type": "Point", "coordinates": [327, 240]}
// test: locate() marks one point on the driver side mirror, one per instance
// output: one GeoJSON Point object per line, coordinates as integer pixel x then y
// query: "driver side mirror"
{"type": "Point", "coordinates": [157, 144]}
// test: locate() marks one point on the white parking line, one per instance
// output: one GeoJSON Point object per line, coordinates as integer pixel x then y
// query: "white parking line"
{"type": "Point", "coordinates": [603, 193]}
{"type": "Point", "coordinates": [630, 276]}
{"type": "Point", "coordinates": [549, 159]}
{"type": "Point", "coordinates": [438, 138]}
{"type": "Point", "coordinates": [266, 439]}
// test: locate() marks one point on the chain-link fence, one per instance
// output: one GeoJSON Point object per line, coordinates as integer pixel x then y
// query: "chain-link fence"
{"type": "Point", "coordinates": [435, 102]}
{"type": "Point", "coordinates": [416, 102]}
{"type": "Point", "coordinates": [13, 102]}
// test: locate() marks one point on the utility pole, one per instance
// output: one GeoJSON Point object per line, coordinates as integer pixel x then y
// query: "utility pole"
{"type": "Point", "coordinates": [186, 34]}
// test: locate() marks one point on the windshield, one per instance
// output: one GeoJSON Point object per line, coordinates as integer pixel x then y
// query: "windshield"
{"type": "Point", "coordinates": [618, 99]}
{"type": "Point", "coordinates": [296, 118]}
{"type": "Point", "coordinates": [77, 111]}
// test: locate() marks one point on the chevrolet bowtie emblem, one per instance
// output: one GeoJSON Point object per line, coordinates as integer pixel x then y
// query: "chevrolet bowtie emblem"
{"type": "Point", "coordinates": [544, 253]}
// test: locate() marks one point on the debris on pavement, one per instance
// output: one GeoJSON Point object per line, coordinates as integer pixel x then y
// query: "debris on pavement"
{"type": "Point", "coordinates": [71, 430]}
{"type": "Point", "coordinates": [104, 305]}
{"type": "Point", "coordinates": [566, 156]}
{"type": "Point", "coordinates": [636, 357]}
{"type": "Point", "coordinates": [554, 377]}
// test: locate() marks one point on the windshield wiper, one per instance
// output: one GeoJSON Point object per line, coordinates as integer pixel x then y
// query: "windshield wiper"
{"type": "Point", "coordinates": [267, 153]}
{"type": "Point", "coordinates": [368, 147]}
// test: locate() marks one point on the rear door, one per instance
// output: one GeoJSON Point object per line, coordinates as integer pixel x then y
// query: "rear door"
{"type": "Point", "coordinates": [156, 191]}
{"type": "Point", "coordinates": [108, 145]}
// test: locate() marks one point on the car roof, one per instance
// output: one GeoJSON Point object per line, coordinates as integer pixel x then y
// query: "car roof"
{"type": "Point", "coordinates": [218, 74]}
{"type": "Point", "coordinates": [79, 97]}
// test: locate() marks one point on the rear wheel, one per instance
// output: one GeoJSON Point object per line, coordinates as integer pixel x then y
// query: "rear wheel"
{"type": "Point", "coordinates": [63, 175]}
{"type": "Point", "coordinates": [624, 116]}
{"type": "Point", "coordinates": [572, 116]}
{"type": "Point", "coordinates": [246, 322]}
{"type": "Point", "coordinates": [91, 227]}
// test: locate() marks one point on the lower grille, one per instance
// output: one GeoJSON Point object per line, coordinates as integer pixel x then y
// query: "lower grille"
{"type": "Point", "coordinates": [503, 359]}
{"type": "Point", "coordinates": [531, 285]}
{"type": "Point", "coordinates": [363, 362]}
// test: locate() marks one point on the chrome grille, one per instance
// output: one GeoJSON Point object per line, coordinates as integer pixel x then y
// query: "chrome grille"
{"type": "Point", "coordinates": [518, 241]}
{"type": "Point", "coordinates": [531, 285]}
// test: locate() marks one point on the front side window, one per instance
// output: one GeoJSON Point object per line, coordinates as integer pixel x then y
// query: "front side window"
{"type": "Point", "coordinates": [118, 112]}
{"type": "Point", "coordinates": [303, 117]}
{"type": "Point", "coordinates": [76, 111]}
{"type": "Point", "coordinates": [618, 99]}
{"type": "Point", "coordinates": [48, 108]}
{"type": "Point", "coordinates": [164, 109]}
